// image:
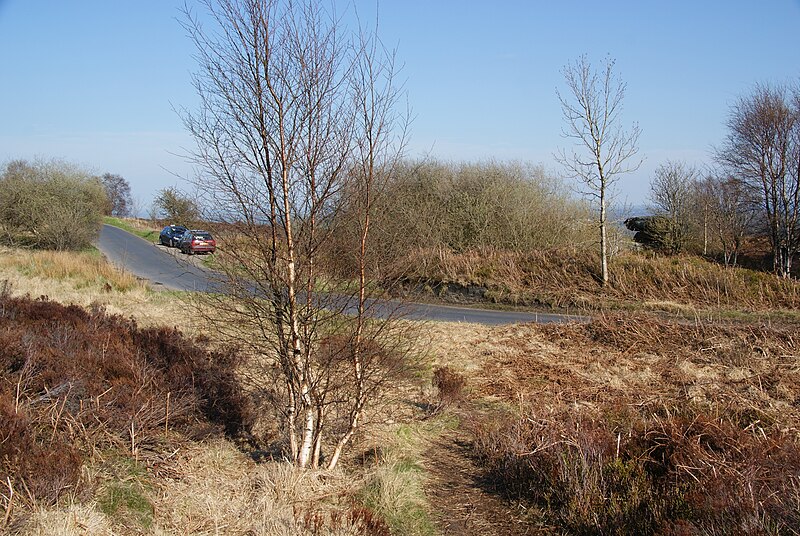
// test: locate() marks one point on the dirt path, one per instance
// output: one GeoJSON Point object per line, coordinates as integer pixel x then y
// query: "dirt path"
{"type": "Point", "coordinates": [461, 503]}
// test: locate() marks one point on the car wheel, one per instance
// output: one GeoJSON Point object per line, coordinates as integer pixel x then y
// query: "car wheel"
{"type": "Point", "coordinates": [171, 243]}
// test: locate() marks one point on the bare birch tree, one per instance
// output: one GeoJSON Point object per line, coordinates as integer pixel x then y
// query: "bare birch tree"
{"type": "Point", "coordinates": [296, 120]}
{"type": "Point", "coordinates": [763, 149]}
{"type": "Point", "coordinates": [379, 140]}
{"type": "Point", "coordinates": [603, 150]}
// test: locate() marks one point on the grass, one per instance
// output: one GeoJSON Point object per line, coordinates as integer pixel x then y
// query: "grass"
{"type": "Point", "coordinates": [567, 279]}
{"type": "Point", "coordinates": [134, 226]}
{"type": "Point", "coordinates": [395, 490]}
{"type": "Point", "coordinates": [86, 279]}
{"type": "Point", "coordinates": [85, 269]}
{"type": "Point", "coordinates": [124, 497]}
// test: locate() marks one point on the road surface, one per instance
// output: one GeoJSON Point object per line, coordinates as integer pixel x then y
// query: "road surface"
{"type": "Point", "coordinates": [148, 261]}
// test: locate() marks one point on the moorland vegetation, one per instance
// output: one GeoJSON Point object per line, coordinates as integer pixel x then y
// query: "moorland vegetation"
{"type": "Point", "coordinates": [671, 411]}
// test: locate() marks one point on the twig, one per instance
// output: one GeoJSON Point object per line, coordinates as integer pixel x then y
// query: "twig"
{"type": "Point", "coordinates": [10, 500]}
{"type": "Point", "coordinates": [133, 441]}
{"type": "Point", "coordinates": [166, 417]}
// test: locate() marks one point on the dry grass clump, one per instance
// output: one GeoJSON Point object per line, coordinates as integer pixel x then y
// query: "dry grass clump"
{"type": "Point", "coordinates": [213, 488]}
{"type": "Point", "coordinates": [87, 280]}
{"type": "Point", "coordinates": [220, 490]}
{"type": "Point", "coordinates": [75, 382]}
{"type": "Point", "coordinates": [73, 519]}
{"type": "Point", "coordinates": [636, 425]}
{"type": "Point", "coordinates": [567, 278]}
{"type": "Point", "coordinates": [84, 269]}
{"type": "Point", "coordinates": [449, 386]}
{"type": "Point", "coordinates": [692, 280]}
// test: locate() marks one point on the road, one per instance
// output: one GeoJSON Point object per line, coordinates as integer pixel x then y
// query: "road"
{"type": "Point", "coordinates": [148, 261]}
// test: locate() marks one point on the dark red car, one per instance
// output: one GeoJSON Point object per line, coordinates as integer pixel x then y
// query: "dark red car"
{"type": "Point", "coordinates": [197, 241]}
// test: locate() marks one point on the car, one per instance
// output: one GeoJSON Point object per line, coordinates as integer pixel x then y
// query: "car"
{"type": "Point", "coordinates": [171, 235]}
{"type": "Point", "coordinates": [197, 241]}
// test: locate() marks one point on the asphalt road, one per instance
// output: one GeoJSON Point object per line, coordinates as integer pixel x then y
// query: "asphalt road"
{"type": "Point", "coordinates": [148, 261]}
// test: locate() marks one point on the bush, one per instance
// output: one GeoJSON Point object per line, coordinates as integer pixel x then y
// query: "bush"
{"type": "Point", "coordinates": [50, 205]}
{"type": "Point", "coordinates": [663, 474]}
{"type": "Point", "coordinates": [463, 207]}
{"type": "Point", "coordinates": [73, 381]}
{"type": "Point", "coordinates": [449, 386]}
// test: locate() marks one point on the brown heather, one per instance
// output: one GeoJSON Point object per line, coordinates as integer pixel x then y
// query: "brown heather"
{"type": "Point", "coordinates": [73, 382]}
{"type": "Point", "coordinates": [636, 425]}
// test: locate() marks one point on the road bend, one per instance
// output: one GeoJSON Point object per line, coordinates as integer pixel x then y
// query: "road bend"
{"type": "Point", "coordinates": [150, 262]}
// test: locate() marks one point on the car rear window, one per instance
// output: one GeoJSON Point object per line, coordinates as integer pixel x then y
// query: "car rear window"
{"type": "Point", "coordinates": [204, 236]}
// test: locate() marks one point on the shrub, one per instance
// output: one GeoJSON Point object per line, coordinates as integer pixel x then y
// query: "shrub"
{"type": "Point", "coordinates": [449, 385]}
{"type": "Point", "coordinates": [462, 207]}
{"type": "Point", "coordinates": [640, 425]}
{"type": "Point", "coordinates": [73, 381]}
{"type": "Point", "coordinates": [662, 472]}
{"type": "Point", "coordinates": [51, 205]}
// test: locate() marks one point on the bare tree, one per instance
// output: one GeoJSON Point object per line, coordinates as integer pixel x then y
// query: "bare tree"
{"type": "Point", "coordinates": [603, 149]}
{"type": "Point", "coordinates": [296, 124]}
{"type": "Point", "coordinates": [763, 148]}
{"type": "Point", "coordinates": [379, 140]}
{"type": "Point", "coordinates": [119, 194]}
{"type": "Point", "coordinates": [733, 213]}
{"type": "Point", "coordinates": [671, 190]}
{"type": "Point", "coordinates": [702, 205]}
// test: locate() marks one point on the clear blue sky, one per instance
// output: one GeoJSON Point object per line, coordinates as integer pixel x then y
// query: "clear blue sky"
{"type": "Point", "coordinates": [95, 81]}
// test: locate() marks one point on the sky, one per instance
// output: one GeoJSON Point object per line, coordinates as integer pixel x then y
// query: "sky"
{"type": "Point", "coordinates": [97, 82]}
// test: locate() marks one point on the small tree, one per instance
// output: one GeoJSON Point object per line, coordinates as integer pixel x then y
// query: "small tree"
{"type": "Point", "coordinates": [671, 194]}
{"type": "Point", "coordinates": [732, 213]}
{"type": "Point", "coordinates": [177, 207]}
{"type": "Point", "coordinates": [604, 150]}
{"type": "Point", "coordinates": [296, 125]}
{"type": "Point", "coordinates": [118, 192]}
